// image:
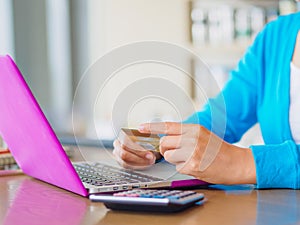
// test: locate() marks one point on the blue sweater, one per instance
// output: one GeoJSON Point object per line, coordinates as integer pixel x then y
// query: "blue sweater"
{"type": "Point", "coordinates": [258, 91]}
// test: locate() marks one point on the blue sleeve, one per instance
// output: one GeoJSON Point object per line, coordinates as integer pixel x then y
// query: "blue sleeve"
{"type": "Point", "coordinates": [232, 112]}
{"type": "Point", "coordinates": [277, 166]}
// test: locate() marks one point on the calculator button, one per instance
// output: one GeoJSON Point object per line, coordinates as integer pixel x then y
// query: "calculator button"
{"type": "Point", "coordinates": [173, 197]}
{"type": "Point", "coordinates": [146, 195]}
{"type": "Point", "coordinates": [158, 196]}
{"type": "Point", "coordinates": [133, 195]}
{"type": "Point", "coordinates": [120, 194]}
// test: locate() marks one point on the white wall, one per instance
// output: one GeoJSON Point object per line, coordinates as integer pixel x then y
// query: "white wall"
{"type": "Point", "coordinates": [115, 23]}
{"type": "Point", "coordinates": [118, 22]}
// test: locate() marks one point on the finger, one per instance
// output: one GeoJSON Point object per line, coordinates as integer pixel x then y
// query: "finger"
{"type": "Point", "coordinates": [147, 155]}
{"type": "Point", "coordinates": [125, 140]}
{"type": "Point", "coordinates": [176, 156]}
{"type": "Point", "coordinates": [134, 158]}
{"type": "Point", "coordinates": [132, 155]}
{"type": "Point", "coordinates": [130, 166]}
{"type": "Point", "coordinates": [170, 128]}
{"type": "Point", "coordinates": [169, 142]}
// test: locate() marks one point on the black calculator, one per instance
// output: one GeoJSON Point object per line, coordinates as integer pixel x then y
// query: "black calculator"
{"type": "Point", "coordinates": [153, 200]}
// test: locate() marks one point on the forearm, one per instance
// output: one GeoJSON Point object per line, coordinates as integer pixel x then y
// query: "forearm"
{"type": "Point", "coordinates": [247, 171]}
{"type": "Point", "coordinates": [239, 167]}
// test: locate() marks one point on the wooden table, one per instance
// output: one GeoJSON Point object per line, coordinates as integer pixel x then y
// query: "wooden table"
{"type": "Point", "coordinates": [25, 200]}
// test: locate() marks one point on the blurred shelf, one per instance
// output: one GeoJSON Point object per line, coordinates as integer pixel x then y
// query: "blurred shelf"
{"type": "Point", "coordinates": [222, 30]}
{"type": "Point", "coordinates": [262, 3]}
{"type": "Point", "coordinates": [226, 55]}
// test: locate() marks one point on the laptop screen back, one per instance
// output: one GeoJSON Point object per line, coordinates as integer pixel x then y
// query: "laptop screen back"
{"type": "Point", "coordinates": [28, 134]}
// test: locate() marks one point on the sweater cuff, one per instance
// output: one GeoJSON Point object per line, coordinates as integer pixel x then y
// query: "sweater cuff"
{"type": "Point", "coordinates": [276, 165]}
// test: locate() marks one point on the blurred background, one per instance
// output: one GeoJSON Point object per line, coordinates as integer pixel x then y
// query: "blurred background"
{"type": "Point", "coordinates": [55, 41]}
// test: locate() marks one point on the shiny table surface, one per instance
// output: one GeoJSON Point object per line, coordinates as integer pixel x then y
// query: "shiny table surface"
{"type": "Point", "coordinates": [25, 200]}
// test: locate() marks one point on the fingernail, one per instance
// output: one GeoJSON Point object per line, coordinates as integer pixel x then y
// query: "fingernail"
{"type": "Point", "coordinates": [141, 127]}
{"type": "Point", "coordinates": [149, 156]}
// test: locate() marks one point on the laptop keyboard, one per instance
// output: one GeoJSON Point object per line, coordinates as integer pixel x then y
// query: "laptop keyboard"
{"type": "Point", "coordinates": [103, 175]}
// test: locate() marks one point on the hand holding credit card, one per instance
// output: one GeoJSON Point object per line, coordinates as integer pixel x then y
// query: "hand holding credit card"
{"type": "Point", "coordinates": [149, 142]}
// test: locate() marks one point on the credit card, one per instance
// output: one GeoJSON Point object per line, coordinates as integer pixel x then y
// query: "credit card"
{"type": "Point", "coordinates": [149, 142]}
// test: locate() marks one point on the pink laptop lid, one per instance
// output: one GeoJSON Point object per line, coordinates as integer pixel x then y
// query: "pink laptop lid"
{"type": "Point", "coordinates": [28, 134]}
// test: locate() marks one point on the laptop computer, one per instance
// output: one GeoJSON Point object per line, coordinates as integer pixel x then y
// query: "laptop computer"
{"type": "Point", "coordinates": [38, 152]}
